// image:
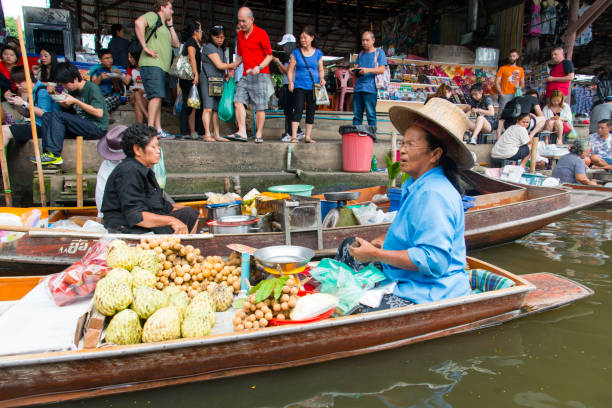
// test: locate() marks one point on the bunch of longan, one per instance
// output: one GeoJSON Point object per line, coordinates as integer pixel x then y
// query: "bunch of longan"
{"type": "Point", "coordinates": [256, 315]}
{"type": "Point", "coordinates": [184, 266]}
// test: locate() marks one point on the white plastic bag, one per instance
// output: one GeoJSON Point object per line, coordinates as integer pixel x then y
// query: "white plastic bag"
{"type": "Point", "coordinates": [322, 97]}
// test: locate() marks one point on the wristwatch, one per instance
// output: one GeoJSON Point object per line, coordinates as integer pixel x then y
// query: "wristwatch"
{"type": "Point", "coordinates": [170, 26]}
{"type": "Point", "coordinates": [260, 67]}
{"type": "Point", "coordinates": [24, 105]}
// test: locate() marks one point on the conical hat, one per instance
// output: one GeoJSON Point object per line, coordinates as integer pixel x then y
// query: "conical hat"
{"type": "Point", "coordinates": [446, 116]}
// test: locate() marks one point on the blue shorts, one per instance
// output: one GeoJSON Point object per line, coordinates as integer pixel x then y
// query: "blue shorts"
{"type": "Point", "coordinates": [155, 82]}
{"type": "Point", "coordinates": [609, 161]}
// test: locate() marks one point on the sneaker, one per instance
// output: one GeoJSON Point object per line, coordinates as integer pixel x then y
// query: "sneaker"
{"type": "Point", "coordinates": [162, 134]}
{"type": "Point", "coordinates": [48, 158]}
{"type": "Point", "coordinates": [194, 136]}
{"type": "Point", "coordinates": [300, 135]}
{"type": "Point", "coordinates": [472, 140]}
{"type": "Point", "coordinates": [286, 138]}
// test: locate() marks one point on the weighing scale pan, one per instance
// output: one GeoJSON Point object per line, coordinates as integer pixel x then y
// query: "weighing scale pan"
{"type": "Point", "coordinates": [342, 196]}
{"type": "Point", "coordinates": [284, 259]}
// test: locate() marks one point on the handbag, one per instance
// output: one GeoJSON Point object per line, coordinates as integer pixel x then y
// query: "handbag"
{"type": "Point", "coordinates": [567, 128]}
{"type": "Point", "coordinates": [181, 67]}
{"type": "Point", "coordinates": [383, 80]}
{"type": "Point", "coordinates": [316, 88]}
{"type": "Point", "coordinates": [215, 86]}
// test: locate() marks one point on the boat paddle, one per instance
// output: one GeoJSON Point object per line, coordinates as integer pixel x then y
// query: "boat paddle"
{"type": "Point", "coordinates": [26, 68]}
{"type": "Point", "coordinates": [8, 198]}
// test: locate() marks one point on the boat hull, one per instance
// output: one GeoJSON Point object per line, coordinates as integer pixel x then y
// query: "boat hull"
{"type": "Point", "coordinates": [53, 377]}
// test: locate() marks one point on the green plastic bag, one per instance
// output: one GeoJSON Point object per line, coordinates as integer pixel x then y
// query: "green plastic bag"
{"type": "Point", "coordinates": [226, 105]}
{"type": "Point", "coordinates": [339, 279]}
{"type": "Point", "coordinates": [159, 170]}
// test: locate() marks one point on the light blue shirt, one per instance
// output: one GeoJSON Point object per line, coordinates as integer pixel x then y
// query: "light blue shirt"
{"type": "Point", "coordinates": [365, 83]}
{"type": "Point", "coordinates": [430, 225]}
{"type": "Point", "coordinates": [43, 101]}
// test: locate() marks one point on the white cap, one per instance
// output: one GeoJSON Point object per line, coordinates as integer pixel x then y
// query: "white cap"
{"type": "Point", "coordinates": [287, 38]}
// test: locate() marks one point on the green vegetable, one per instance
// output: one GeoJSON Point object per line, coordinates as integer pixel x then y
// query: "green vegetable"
{"type": "Point", "coordinates": [265, 288]}
{"type": "Point", "coordinates": [393, 170]}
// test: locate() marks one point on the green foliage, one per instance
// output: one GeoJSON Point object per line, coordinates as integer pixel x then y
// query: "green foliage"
{"type": "Point", "coordinates": [11, 26]}
{"type": "Point", "coordinates": [266, 287]}
{"type": "Point", "coordinates": [394, 170]}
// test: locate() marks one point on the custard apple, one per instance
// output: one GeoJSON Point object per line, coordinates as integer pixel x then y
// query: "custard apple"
{"type": "Point", "coordinates": [206, 299]}
{"type": "Point", "coordinates": [223, 296]}
{"type": "Point", "coordinates": [148, 259]}
{"type": "Point", "coordinates": [112, 295]}
{"type": "Point", "coordinates": [143, 277]}
{"type": "Point", "coordinates": [124, 328]}
{"type": "Point", "coordinates": [122, 274]}
{"type": "Point", "coordinates": [197, 320]}
{"type": "Point", "coordinates": [115, 243]}
{"type": "Point", "coordinates": [147, 300]}
{"type": "Point", "coordinates": [121, 256]}
{"type": "Point", "coordinates": [164, 324]}
{"type": "Point", "coordinates": [178, 299]}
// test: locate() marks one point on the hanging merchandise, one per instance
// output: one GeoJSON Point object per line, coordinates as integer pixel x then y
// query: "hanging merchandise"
{"type": "Point", "coordinates": [535, 27]}
{"type": "Point", "coordinates": [587, 35]}
{"type": "Point", "coordinates": [549, 17]}
{"type": "Point", "coordinates": [582, 99]}
{"type": "Point", "coordinates": [562, 21]}
{"type": "Point", "coordinates": [193, 100]}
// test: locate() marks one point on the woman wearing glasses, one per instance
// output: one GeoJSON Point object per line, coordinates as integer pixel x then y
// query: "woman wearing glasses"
{"type": "Point", "coordinates": [213, 74]}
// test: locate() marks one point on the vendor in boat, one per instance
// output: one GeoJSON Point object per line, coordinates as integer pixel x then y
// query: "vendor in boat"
{"type": "Point", "coordinates": [133, 201]}
{"type": "Point", "coordinates": [424, 249]}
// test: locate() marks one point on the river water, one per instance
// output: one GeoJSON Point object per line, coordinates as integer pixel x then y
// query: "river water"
{"type": "Point", "coordinates": [561, 358]}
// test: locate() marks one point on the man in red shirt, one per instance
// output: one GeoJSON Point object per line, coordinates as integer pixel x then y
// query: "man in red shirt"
{"type": "Point", "coordinates": [255, 53]}
{"type": "Point", "coordinates": [561, 74]}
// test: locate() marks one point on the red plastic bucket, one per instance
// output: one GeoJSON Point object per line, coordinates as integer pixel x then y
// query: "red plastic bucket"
{"type": "Point", "coordinates": [357, 152]}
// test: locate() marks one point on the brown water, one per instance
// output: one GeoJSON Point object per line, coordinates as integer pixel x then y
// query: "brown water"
{"type": "Point", "coordinates": [560, 358]}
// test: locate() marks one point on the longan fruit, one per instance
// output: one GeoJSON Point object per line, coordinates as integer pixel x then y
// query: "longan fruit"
{"type": "Point", "coordinates": [268, 316]}
{"type": "Point", "coordinates": [178, 280]}
{"type": "Point", "coordinates": [256, 325]}
{"type": "Point", "coordinates": [173, 275]}
{"type": "Point", "coordinates": [200, 276]}
{"type": "Point", "coordinates": [171, 257]}
{"type": "Point", "coordinates": [276, 307]}
{"type": "Point", "coordinates": [259, 314]}
{"type": "Point", "coordinates": [240, 327]}
{"type": "Point", "coordinates": [158, 250]}
{"type": "Point", "coordinates": [284, 306]}
{"type": "Point", "coordinates": [236, 320]}
{"type": "Point", "coordinates": [246, 305]}
{"type": "Point", "coordinates": [280, 316]}
{"type": "Point", "coordinates": [292, 303]}
{"type": "Point", "coordinates": [252, 298]}
{"type": "Point", "coordinates": [259, 305]}
{"type": "Point", "coordinates": [251, 318]}
{"type": "Point", "coordinates": [195, 284]}
{"type": "Point", "coordinates": [253, 308]}
{"type": "Point", "coordinates": [159, 285]}
{"type": "Point", "coordinates": [164, 245]}
{"type": "Point", "coordinates": [241, 314]}
{"type": "Point", "coordinates": [265, 309]}
{"type": "Point", "coordinates": [236, 285]}
{"type": "Point", "coordinates": [286, 289]}
{"type": "Point", "coordinates": [284, 298]}
{"type": "Point", "coordinates": [248, 325]}
{"type": "Point", "coordinates": [206, 273]}
{"type": "Point", "coordinates": [161, 257]}
{"type": "Point", "coordinates": [187, 277]}
{"type": "Point", "coordinates": [263, 322]}
{"type": "Point", "coordinates": [186, 268]}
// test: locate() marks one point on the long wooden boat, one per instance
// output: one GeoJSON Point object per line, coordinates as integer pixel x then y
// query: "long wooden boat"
{"type": "Point", "coordinates": [502, 213]}
{"type": "Point", "coordinates": [59, 376]}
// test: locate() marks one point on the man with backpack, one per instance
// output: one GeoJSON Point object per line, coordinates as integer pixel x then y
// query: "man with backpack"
{"type": "Point", "coordinates": [156, 36]}
{"type": "Point", "coordinates": [522, 105]}
{"type": "Point", "coordinates": [370, 62]}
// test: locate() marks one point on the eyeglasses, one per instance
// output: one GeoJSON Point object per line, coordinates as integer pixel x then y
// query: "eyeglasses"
{"type": "Point", "coordinates": [411, 146]}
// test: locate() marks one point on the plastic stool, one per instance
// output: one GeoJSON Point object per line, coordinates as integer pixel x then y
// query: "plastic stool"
{"type": "Point", "coordinates": [548, 137]}
{"type": "Point", "coordinates": [483, 138]}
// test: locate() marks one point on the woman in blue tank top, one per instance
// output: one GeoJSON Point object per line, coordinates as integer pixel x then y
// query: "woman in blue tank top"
{"type": "Point", "coordinates": [305, 70]}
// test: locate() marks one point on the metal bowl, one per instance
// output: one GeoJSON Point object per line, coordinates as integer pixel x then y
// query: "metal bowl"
{"type": "Point", "coordinates": [235, 219]}
{"type": "Point", "coordinates": [342, 196]}
{"type": "Point", "coordinates": [284, 259]}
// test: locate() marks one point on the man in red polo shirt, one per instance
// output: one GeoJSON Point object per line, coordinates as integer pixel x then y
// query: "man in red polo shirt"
{"type": "Point", "coordinates": [561, 74]}
{"type": "Point", "coordinates": [255, 53]}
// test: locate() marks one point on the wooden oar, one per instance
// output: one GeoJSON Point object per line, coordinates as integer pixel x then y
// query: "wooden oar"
{"type": "Point", "coordinates": [26, 67]}
{"type": "Point", "coordinates": [8, 198]}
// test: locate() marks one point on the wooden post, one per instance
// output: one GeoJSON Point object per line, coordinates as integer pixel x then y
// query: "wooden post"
{"type": "Point", "coordinates": [26, 67]}
{"type": "Point", "coordinates": [8, 198]}
{"type": "Point", "coordinates": [534, 154]}
{"type": "Point", "coordinates": [574, 6]}
{"type": "Point", "coordinates": [393, 152]}
{"type": "Point", "coordinates": [79, 170]}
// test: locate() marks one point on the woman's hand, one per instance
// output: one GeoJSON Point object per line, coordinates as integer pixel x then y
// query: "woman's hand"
{"type": "Point", "coordinates": [196, 78]}
{"type": "Point", "coordinates": [177, 226]}
{"type": "Point", "coordinates": [365, 252]}
{"type": "Point", "coordinates": [290, 86]}
{"type": "Point", "coordinates": [378, 242]}
{"type": "Point", "coordinates": [322, 82]}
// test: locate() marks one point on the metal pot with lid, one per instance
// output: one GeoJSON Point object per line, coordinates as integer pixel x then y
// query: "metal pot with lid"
{"type": "Point", "coordinates": [234, 224]}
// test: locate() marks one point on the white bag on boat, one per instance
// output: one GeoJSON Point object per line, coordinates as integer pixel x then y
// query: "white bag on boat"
{"type": "Point", "coordinates": [310, 306]}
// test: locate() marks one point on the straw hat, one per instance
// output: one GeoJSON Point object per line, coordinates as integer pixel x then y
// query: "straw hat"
{"type": "Point", "coordinates": [445, 115]}
{"type": "Point", "coordinates": [109, 147]}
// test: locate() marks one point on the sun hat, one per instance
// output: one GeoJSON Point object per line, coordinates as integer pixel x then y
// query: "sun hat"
{"type": "Point", "coordinates": [287, 38]}
{"type": "Point", "coordinates": [109, 147]}
{"type": "Point", "coordinates": [441, 118]}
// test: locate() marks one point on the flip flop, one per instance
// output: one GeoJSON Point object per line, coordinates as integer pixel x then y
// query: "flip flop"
{"type": "Point", "coordinates": [309, 141]}
{"type": "Point", "coordinates": [294, 140]}
{"type": "Point", "coordinates": [208, 140]}
{"type": "Point", "coordinates": [258, 140]}
{"type": "Point", "coordinates": [220, 139]}
{"type": "Point", "coordinates": [236, 138]}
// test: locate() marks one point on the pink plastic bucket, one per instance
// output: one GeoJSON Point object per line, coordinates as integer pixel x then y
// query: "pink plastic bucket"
{"type": "Point", "coordinates": [356, 152]}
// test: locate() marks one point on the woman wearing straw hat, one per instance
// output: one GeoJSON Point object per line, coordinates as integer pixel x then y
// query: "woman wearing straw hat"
{"type": "Point", "coordinates": [423, 251]}
{"type": "Point", "coordinates": [109, 148]}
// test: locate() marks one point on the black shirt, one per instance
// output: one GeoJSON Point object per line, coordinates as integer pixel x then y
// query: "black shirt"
{"type": "Point", "coordinates": [198, 51]}
{"type": "Point", "coordinates": [131, 189]}
{"type": "Point", "coordinates": [119, 49]}
{"type": "Point", "coordinates": [527, 103]}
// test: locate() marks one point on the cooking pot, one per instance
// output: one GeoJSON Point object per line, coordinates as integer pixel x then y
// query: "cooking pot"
{"type": "Point", "coordinates": [235, 224]}
{"type": "Point", "coordinates": [218, 211]}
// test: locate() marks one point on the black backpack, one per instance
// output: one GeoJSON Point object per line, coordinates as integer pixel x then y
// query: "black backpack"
{"type": "Point", "coordinates": [512, 110]}
{"type": "Point", "coordinates": [134, 46]}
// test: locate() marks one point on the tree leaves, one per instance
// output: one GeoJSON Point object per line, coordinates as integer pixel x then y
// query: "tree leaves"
{"type": "Point", "coordinates": [267, 287]}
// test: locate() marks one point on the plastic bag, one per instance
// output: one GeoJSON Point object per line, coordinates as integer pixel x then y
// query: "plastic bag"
{"type": "Point", "coordinates": [159, 169]}
{"type": "Point", "coordinates": [193, 100]}
{"type": "Point", "coordinates": [226, 105]}
{"type": "Point", "coordinates": [338, 279]}
{"type": "Point", "coordinates": [322, 97]}
{"type": "Point", "coordinates": [178, 104]}
{"type": "Point", "coordinates": [79, 280]}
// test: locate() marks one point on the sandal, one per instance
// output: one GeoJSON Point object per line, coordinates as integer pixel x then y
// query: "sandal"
{"type": "Point", "coordinates": [309, 141]}
{"type": "Point", "coordinates": [258, 140]}
{"type": "Point", "coordinates": [219, 139]}
{"type": "Point", "coordinates": [294, 140]}
{"type": "Point", "coordinates": [208, 139]}
{"type": "Point", "coordinates": [236, 138]}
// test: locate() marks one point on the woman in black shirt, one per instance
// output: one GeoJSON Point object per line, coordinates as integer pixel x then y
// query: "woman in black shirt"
{"type": "Point", "coordinates": [133, 202]}
{"type": "Point", "coordinates": [192, 35]}
{"type": "Point", "coordinates": [481, 106]}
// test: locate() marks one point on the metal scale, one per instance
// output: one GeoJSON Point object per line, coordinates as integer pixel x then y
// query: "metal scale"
{"type": "Point", "coordinates": [341, 216]}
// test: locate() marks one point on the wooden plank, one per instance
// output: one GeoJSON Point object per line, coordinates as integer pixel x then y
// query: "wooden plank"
{"type": "Point", "coordinates": [8, 198]}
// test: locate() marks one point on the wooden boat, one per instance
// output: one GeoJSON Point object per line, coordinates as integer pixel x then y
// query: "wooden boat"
{"type": "Point", "coordinates": [502, 213]}
{"type": "Point", "coordinates": [59, 376]}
